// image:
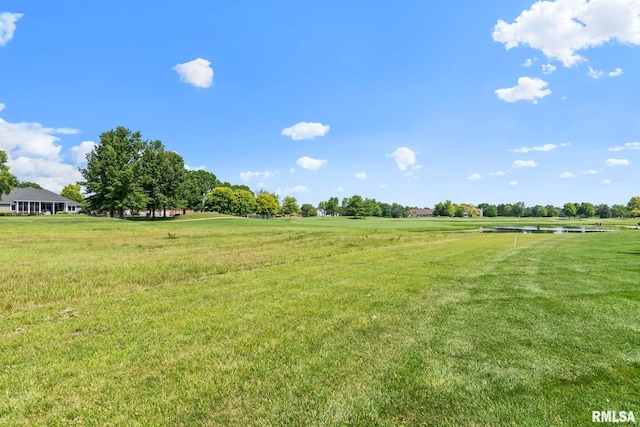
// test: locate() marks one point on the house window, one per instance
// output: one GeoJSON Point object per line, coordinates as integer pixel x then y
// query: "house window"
{"type": "Point", "coordinates": [13, 207]}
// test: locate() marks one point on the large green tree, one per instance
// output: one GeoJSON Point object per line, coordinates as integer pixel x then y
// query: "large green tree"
{"type": "Point", "coordinates": [619, 211]}
{"type": "Point", "coordinates": [113, 176]}
{"type": "Point", "coordinates": [7, 180]}
{"type": "Point", "coordinates": [163, 177]}
{"type": "Point", "coordinates": [197, 185]}
{"type": "Point", "coordinates": [444, 209]}
{"type": "Point", "coordinates": [570, 209]}
{"type": "Point", "coordinates": [586, 210]}
{"type": "Point", "coordinates": [220, 200]}
{"type": "Point", "coordinates": [243, 203]}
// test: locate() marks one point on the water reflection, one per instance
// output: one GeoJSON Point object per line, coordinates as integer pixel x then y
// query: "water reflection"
{"type": "Point", "coordinates": [536, 229]}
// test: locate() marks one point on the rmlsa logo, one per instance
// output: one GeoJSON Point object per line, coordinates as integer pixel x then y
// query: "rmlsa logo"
{"type": "Point", "coordinates": [613, 417]}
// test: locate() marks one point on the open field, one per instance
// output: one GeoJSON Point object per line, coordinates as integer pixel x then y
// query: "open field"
{"type": "Point", "coordinates": [320, 321]}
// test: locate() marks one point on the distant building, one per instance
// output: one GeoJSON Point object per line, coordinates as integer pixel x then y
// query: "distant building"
{"type": "Point", "coordinates": [36, 201]}
{"type": "Point", "coordinates": [417, 213]}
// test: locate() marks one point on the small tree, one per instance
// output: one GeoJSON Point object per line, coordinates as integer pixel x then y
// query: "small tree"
{"type": "Point", "coordinates": [73, 192]}
{"type": "Point", "coordinates": [634, 206]}
{"type": "Point", "coordinates": [267, 204]}
{"type": "Point", "coordinates": [290, 206]}
{"type": "Point", "coordinates": [308, 210]}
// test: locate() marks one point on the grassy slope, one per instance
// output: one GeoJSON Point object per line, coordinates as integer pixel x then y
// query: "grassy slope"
{"type": "Point", "coordinates": [322, 321]}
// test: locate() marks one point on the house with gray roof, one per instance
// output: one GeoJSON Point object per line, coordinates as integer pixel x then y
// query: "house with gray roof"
{"type": "Point", "coordinates": [36, 201]}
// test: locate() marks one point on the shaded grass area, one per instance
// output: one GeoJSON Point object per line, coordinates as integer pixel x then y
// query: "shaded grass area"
{"type": "Point", "coordinates": [240, 322]}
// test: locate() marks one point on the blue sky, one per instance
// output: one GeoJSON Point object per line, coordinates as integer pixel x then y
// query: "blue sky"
{"type": "Point", "coordinates": [408, 101]}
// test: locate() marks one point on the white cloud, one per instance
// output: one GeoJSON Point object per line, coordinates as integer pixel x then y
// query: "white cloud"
{"type": "Point", "coordinates": [627, 146]}
{"type": "Point", "coordinates": [474, 176]}
{"type": "Point", "coordinates": [548, 68]}
{"type": "Point", "coordinates": [29, 139]}
{"type": "Point", "coordinates": [383, 186]}
{"type": "Point", "coordinates": [528, 89]}
{"type": "Point", "coordinates": [361, 175]}
{"type": "Point", "coordinates": [340, 189]}
{"type": "Point", "coordinates": [305, 130]}
{"type": "Point", "coordinates": [292, 170]}
{"type": "Point", "coordinates": [309, 163]}
{"type": "Point", "coordinates": [595, 74]}
{"type": "Point", "coordinates": [567, 175]}
{"type": "Point", "coordinates": [528, 63]}
{"type": "Point", "coordinates": [194, 168]}
{"type": "Point", "coordinates": [615, 73]}
{"type": "Point", "coordinates": [545, 147]}
{"type": "Point", "coordinates": [524, 164]}
{"type": "Point", "coordinates": [562, 28]}
{"type": "Point", "coordinates": [247, 176]}
{"type": "Point", "coordinates": [82, 150]}
{"type": "Point", "coordinates": [617, 162]}
{"type": "Point", "coordinates": [606, 181]}
{"type": "Point", "coordinates": [405, 158]}
{"type": "Point", "coordinates": [2, 105]}
{"type": "Point", "coordinates": [34, 154]}
{"type": "Point", "coordinates": [67, 131]}
{"type": "Point", "coordinates": [498, 173]}
{"type": "Point", "coordinates": [8, 26]}
{"type": "Point", "coordinates": [197, 72]}
{"type": "Point", "coordinates": [590, 172]}
{"type": "Point", "coordinates": [513, 183]}
{"type": "Point", "coordinates": [291, 190]}
{"type": "Point", "coordinates": [50, 174]}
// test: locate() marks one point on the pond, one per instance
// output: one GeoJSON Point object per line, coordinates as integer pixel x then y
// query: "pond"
{"type": "Point", "coordinates": [535, 229]}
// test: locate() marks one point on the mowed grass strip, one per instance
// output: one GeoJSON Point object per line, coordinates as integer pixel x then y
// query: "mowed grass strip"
{"type": "Point", "coordinates": [247, 322]}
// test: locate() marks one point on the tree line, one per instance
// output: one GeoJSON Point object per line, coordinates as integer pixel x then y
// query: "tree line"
{"type": "Point", "coordinates": [519, 209]}
{"type": "Point", "coordinates": [126, 173]}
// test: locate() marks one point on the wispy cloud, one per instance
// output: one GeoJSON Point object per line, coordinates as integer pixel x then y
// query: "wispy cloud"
{"type": "Point", "coordinates": [247, 176]}
{"type": "Point", "coordinates": [627, 146]}
{"type": "Point", "coordinates": [567, 175]}
{"type": "Point", "coordinates": [545, 147]}
{"type": "Point", "coordinates": [595, 74]}
{"type": "Point", "coordinates": [474, 176]}
{"type": "Point", "coordinates": [617, 162]}
{"type": "Point", "coordinates": [524, 164]}
{"type": "Point", "coordinates": [8, 26]}
{"type": "Point", "coordinates": [361, 175]}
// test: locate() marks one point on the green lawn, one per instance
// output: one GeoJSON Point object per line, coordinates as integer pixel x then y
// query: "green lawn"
{"type": "Point", "coordinates": [319, 321]}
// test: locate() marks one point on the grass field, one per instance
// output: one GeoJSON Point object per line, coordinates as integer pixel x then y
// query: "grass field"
{"type": "Point", "coordinates": [320, 321]}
